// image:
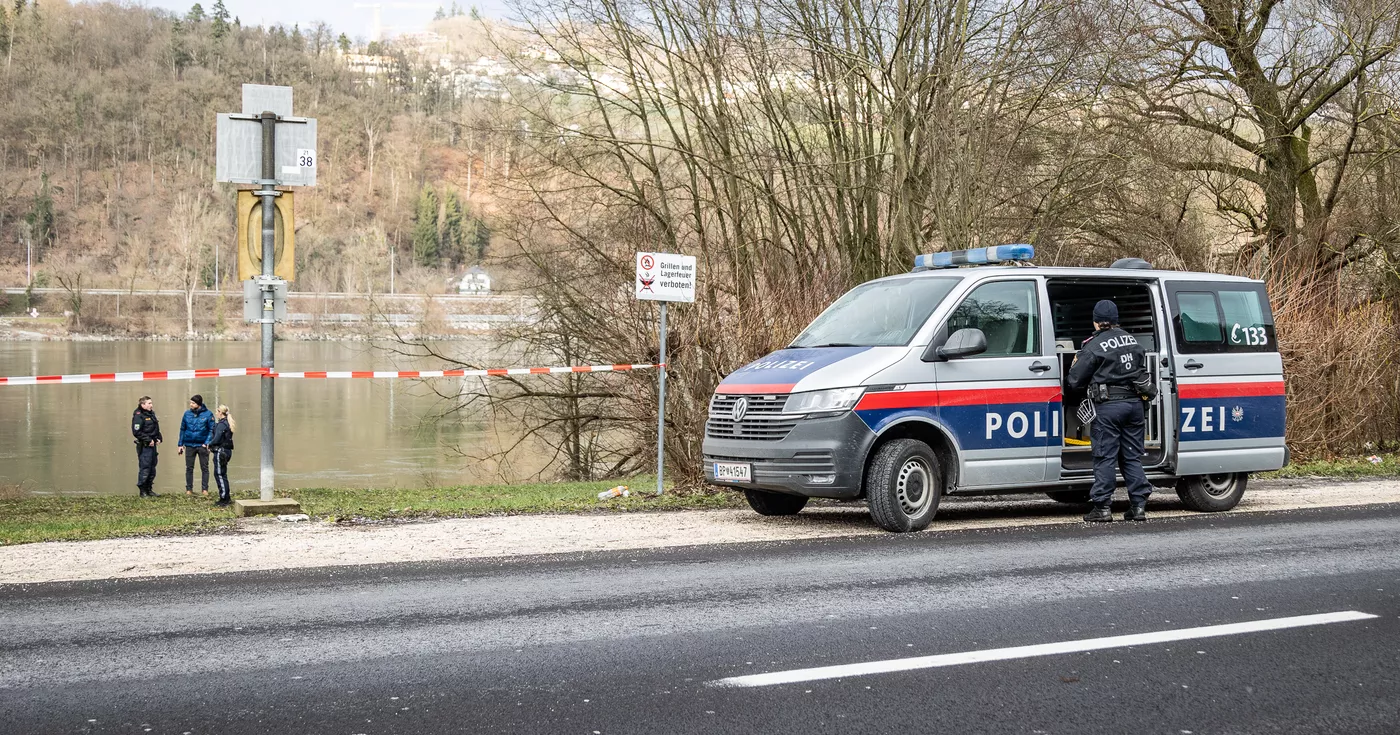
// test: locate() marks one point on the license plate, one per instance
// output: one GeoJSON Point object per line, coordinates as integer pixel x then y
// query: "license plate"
{"type": "Point", "coordinates": [733, 472]}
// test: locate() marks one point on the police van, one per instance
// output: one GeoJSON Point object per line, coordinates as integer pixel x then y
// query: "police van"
{"type": "Point", "coordinates": [951, 380]}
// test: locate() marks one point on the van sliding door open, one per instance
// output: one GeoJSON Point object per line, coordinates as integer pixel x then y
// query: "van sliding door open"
{"type": "Point", "coordinates": [1072, 306]}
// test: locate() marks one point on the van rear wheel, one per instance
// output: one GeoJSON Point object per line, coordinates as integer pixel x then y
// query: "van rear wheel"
{"type": "Point", "coordinates": [903, 486]}
{"type": "Point", "coordinates": [774, 504]}
{"type": "Point", "coordinates": [1212, 493]}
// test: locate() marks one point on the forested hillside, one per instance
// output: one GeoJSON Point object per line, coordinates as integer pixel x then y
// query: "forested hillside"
{"type": "Point", "coordinates": [107, 149]}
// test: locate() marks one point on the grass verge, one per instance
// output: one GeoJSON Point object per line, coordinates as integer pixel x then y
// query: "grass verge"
{"type": "Point", "coordinates": [31, 518]}
{"type": "Point", "coordinates": [1346, 467]}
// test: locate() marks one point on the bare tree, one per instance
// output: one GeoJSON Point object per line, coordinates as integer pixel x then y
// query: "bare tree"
{"type": "Point", "coordinates": [794, 148]}
{"type": "Point", "coordinates": [190, 225]}
{"type": "Point", "coordinates": [1278, 106]}
{"type": "Point", "coordinates": [70, 272]}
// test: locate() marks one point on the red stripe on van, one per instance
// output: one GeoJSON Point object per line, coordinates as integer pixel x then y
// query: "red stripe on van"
{"type": "Point", "coordinates": [756, 388]}
{"type": "Point", "coordinates": [1230, 390]}
{"type": "Point", "coordinates": [975, 397]}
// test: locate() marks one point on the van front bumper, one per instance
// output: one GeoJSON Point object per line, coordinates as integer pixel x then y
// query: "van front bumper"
{"type": "Point", "coordinates": [819, 458]}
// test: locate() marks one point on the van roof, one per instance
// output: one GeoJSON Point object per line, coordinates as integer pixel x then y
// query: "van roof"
{"type": "Point", "coordinates": [1079, 272]}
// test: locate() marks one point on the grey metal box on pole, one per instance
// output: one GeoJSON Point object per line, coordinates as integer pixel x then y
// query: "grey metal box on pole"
{"type": "Point", "coordinates": [266, 146]}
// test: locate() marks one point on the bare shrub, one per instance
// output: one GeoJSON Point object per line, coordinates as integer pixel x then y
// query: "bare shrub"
{"type": "Point", "coordinates": [1342, 364]}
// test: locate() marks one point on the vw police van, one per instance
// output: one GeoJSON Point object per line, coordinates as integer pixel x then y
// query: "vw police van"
{"type": "Point", "coordinates": [951, 380]}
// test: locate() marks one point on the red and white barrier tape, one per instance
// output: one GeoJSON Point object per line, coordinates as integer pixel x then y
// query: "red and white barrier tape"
{"type": "Point", "coordinates": [240, 372]}
{"type": "Point", "coordinates": [135, 377]}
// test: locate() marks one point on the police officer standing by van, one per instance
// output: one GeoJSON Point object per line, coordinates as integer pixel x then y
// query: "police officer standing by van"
{"type": "Point", "coordinates": [1113, 369]}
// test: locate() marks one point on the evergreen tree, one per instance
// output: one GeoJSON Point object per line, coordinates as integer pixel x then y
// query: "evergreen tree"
{"type": "Point", "coordinates": [425, 229]}
{"type": "Point", "coordinates": [480, 240]}
{"type": "Point", "coordinates": [344, 43]}
{"type": "Point", "coordinates": [476, 14]}
{"type": "Point", "coordinates": [196, 13]}
{"type": "Point", "coordinates": [456, 9]}
{"type": "Point", "coordinates": [41, 218]}
{"type": "Point", "coordinates": [179, 50]}
{"type": "Point", "coordinates": [439, 15]}
{"type": "Point", "coordinates": [220, 17]}
{"type": "Point", "coordinates": [298, 41]}
{"type": "Point", "coordinates": [454, 236]}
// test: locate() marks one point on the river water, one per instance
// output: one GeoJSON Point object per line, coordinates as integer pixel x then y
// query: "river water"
{"type": "Point", "coordinates": [76, 438]}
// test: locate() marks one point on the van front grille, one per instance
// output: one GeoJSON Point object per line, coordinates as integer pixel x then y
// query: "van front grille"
{"type": "Point", "coordinates": [763, 421]}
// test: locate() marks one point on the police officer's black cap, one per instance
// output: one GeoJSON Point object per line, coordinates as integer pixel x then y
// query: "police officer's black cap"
{"type": "Point", "coordinates": [1106, 312]}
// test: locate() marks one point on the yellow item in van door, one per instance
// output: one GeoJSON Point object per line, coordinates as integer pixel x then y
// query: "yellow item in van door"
{"type": "Point", "coordinates": [1077, 442]}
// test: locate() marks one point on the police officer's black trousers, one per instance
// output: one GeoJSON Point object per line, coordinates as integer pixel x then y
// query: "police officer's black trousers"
{"type": "Point", "coordinates": [221, 458]}
{"type": "Point", "coordinates": [203, 454]}
{"type": "Point", "coordinates": [1117, 434]}
{"type": "Point", "coordinates": [146, 459]}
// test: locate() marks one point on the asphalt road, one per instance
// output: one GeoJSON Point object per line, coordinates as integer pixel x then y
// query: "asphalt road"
{"type": "Point", "coordinates": [634, 642]}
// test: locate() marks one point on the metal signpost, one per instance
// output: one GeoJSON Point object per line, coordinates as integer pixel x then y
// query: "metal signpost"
{"type": "Point", "coordinates": [265, 145]}
{"type": "Point", "coordinates": [664, 277]}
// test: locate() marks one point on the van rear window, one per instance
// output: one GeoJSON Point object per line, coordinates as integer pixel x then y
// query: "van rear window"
{"type": "Point", "coordinates": [1221, 317]}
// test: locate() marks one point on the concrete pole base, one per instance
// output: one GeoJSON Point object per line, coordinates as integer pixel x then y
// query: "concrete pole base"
{"type": "Point", "coordinates": [274, 507]}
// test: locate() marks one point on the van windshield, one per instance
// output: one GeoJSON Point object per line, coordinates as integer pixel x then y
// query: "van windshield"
{"type": "Point", "coordinates": [877, 314]}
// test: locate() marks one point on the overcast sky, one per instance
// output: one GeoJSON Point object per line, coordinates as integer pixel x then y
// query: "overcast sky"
{"type": "Point", "coordinates": [341, 14]}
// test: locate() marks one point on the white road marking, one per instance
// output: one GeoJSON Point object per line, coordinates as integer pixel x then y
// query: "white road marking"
{"type": "Point", "coordinates": [1041, 649]}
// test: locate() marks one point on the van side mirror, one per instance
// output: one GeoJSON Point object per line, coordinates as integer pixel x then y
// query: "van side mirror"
{"type": "Point", "coordinates": [962, 343]}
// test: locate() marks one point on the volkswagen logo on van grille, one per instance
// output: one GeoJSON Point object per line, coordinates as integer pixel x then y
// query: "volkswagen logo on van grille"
{"type": "Point", "coordinates": [740, 409]}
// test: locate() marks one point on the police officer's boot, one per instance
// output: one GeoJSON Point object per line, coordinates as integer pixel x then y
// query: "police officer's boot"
{"type": "Point", "coordinates": [1100, 514]}
{"type": "Point", "coordinates": [1136, 512]}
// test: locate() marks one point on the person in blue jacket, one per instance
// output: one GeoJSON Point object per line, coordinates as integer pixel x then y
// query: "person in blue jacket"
{"type": "Point", "coordinates": [196, 431]}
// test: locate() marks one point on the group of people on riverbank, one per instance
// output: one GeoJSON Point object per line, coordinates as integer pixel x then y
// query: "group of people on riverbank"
{"type": "Point", "coordinates": [204, 435]}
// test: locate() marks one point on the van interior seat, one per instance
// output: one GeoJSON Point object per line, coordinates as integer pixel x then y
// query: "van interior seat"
{"type": "Point", "coordinates": [1001, 336]}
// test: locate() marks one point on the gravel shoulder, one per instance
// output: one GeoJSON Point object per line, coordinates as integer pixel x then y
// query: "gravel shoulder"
{"type": "Point", "coordinates": [266, 544]}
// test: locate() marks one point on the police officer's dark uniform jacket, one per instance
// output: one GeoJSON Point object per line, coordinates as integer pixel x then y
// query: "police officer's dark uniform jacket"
{"type": "Point", "coordinates": [221, 451]}
{"type": "Point", "coordinates": [1112, 367]}
{"type": "Point", "coordinates": [145, 431]}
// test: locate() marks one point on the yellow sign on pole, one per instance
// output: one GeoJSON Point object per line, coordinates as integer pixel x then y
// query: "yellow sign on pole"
{"type": "Point", "coordinates": [250, 237]}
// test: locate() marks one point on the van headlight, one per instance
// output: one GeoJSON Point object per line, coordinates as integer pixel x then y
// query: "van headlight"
{"type": "Point", "coordinates": [823, 402]}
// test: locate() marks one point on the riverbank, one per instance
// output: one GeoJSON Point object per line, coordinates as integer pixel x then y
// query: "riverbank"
{"type": "Point", "coordinates": [57, 329]}
{"type": "Point", "coordinates": [267, 544]}
{"type": "Point", "coordinates": [120, 315]}
{"type": "Point", "coordinates": [32, 519]}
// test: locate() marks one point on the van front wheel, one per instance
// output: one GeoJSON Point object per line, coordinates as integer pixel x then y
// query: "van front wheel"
{"type": "Point", "coordinates": [1212, 493]}
{"type": "Point", "coordinates": [903, 485]}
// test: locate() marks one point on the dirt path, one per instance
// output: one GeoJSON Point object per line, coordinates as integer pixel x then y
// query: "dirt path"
{"type": "Point", "coordinates": [270, 544]}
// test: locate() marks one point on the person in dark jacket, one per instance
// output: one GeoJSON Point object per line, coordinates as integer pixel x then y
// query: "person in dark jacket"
{"type": "Point", "coordinates": [1113, 367]}
{"type": "Point", "coordinates": [145, 432]}
{"type": "Point", "coordinates": [221, 451]}
{"type": "Point", "coordinates": [196, 429]}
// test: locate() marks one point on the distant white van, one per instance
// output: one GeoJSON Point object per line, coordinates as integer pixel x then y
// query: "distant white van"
{"type": "Point", "coordinates": [950, 380]}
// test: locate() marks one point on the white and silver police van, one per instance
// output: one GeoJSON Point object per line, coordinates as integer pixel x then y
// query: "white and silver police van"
{"type": "Point", "coordinates": [950, 380]}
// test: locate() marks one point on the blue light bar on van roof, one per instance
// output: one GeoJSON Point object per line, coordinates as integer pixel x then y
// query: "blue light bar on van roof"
{"type": "Point", "coordinates": [975, 256]}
